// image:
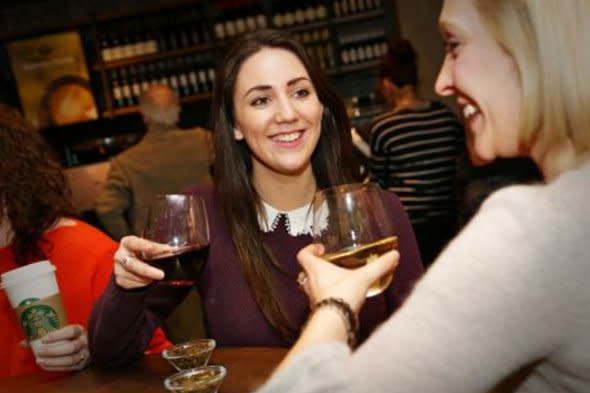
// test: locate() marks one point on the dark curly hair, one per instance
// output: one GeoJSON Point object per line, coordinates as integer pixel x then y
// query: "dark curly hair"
{"type": "Point", "coordinates": [33, 189]}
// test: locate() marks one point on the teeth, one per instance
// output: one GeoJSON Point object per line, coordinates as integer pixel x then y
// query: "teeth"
{"type": "Point", "coordinates": [287, 137]}
{"type": "Point", "coordinates": [469, 110]}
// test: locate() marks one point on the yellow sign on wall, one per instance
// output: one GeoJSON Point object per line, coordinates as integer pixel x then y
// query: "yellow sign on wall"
{"type": "Point", "coordinates": [52, 79]}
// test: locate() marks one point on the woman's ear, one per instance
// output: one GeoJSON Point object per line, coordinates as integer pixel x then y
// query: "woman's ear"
{"type": "Point", "coordinates": [387, 87]}
{"type": "Point", "coordinates": [238, 136]}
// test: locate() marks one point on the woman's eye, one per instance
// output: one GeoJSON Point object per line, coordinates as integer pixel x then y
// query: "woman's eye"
{"type": "Point", "coordinates": [451, 47]}
{"type": "Point", "coordinates": [301, 93]}
{"type": "Point", "coordinates": [259, 101]}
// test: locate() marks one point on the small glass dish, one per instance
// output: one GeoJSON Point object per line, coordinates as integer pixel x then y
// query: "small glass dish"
{"type": "Point", "coordinates": [205, 379]}
{"type": "Point", "coordinates": [190, 354]}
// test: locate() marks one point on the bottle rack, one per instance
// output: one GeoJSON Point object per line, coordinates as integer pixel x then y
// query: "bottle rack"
{"type": "Point", "coordinates": [181, 46]}
{"type": "Point", "coordinates": [129, 46]}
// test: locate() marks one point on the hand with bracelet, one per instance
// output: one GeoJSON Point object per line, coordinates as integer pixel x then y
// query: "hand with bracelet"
{"type": "Point", "coordinates": [321, 281]}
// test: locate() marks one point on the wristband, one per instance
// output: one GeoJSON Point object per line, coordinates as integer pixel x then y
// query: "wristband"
{"type": "Point", "coordinates": [350, 318]}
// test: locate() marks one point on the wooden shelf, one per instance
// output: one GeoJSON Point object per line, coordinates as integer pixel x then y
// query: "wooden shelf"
{"type": "Point", "coordinates": [151, 57]}
{"type": "Point", "coordinates": [307, 26]}
{"type": "Point", "coordinates": [135, 109]}
{"type": "Point", "coordinates": [365, 65]}
{"type": "Point", "coordinates": [359, 16]}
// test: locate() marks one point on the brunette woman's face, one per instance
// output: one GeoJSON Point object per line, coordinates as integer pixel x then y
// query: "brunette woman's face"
{"type": "Point", "coordinates": [277, 112]}
{"type": "Point", "coordinates": [484, 79]}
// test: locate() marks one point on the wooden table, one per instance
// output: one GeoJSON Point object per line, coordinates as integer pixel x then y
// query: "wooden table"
{"type": "Point", "coordinates": [247, 369]}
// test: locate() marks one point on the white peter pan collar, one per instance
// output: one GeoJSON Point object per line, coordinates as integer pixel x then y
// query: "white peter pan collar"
{"type": "Point", "coordinates": [298, 222]}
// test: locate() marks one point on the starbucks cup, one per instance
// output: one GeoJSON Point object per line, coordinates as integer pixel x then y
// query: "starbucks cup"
{"type": "Point", "coordinates": [34, 296]}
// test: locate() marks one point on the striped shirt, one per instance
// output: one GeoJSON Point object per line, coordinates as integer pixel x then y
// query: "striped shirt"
{"type": "Point", "coordinates": [414, 153]}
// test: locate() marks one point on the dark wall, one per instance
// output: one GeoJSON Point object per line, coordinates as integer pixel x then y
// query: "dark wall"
{"type": "Point", "coordinates": [28, 17]}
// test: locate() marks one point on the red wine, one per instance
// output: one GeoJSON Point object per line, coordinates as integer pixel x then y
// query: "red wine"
{"type": "Point", "coordinates": [182, 268]}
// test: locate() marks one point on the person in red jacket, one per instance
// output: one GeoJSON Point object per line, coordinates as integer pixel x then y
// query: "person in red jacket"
{"type": "Point", "coordinates": [35, 224]}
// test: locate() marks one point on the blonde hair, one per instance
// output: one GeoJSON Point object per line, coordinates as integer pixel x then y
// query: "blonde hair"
{"type": "Point", "coordinates": [548, 41]}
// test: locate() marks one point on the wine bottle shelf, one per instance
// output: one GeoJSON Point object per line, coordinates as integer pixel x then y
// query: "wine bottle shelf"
{"type": "Point", "coordinates": [186, 41]}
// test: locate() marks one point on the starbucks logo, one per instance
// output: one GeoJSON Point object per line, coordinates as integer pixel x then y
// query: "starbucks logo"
{"type": "Point", "coordinates": [28, 301]}
{"type": "Point", "coordinates": [39, 320]}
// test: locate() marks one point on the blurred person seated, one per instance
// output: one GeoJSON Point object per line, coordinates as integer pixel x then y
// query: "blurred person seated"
{"type": "Point", "coordinates": [36, 223]}
{"type": "Point", "coordinates": [166, 160]}
{"type": "Point", "coordinates": [414, 148]}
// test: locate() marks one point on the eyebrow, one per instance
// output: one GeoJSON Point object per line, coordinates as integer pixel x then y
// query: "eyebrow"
{"type": "Point", "coordinates": [268, 87]}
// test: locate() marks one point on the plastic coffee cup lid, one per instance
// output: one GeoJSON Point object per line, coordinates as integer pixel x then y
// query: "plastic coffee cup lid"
{"type": "Point", "coordinates": [26, 273]}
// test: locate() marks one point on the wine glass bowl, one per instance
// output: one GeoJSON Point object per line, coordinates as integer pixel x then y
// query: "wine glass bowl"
{"type": "Point", "coordinates": [179, 221]}
{"type": "Point", "coordinates": [354, 223]}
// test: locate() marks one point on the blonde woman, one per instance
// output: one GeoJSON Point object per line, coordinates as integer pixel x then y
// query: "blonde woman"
{"type": "Point", "coordinates": [506, 306]}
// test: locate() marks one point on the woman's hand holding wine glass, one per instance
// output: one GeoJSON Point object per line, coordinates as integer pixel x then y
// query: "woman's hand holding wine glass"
{"type": "Point", "coordinates": [176, 228]}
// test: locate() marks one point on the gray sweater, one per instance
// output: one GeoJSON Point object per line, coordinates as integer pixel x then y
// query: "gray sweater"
{"type": "Point", "coordinates": [507, 302]}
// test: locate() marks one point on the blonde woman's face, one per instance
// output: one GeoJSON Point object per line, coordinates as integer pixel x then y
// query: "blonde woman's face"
{"type": "Point", "coordinates": [277, 112]}
{"type": "Point", "coordinates": [484, 79]}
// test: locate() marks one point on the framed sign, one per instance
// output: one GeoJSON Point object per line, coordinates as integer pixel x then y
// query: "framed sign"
{"type": "Point", "coordinates": [52, 79]}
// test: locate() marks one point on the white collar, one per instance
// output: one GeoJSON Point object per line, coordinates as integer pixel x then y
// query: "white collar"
{"type": "Point", "coordinates": [298, 221]}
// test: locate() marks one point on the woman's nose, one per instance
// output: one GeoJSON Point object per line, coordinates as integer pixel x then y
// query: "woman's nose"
{"type": "Point", "coordinates": [444, 82]}
{"type": "Point", "coordinates": [285, 111]}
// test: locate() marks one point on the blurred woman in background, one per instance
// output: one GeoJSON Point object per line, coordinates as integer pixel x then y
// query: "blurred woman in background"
{"type": "Point", "coordinates": [36, 223]}
{"type": "Point", "coordinates": [414, 150]}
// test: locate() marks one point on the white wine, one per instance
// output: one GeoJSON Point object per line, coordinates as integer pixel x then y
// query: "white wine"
{"type": "Point", "coordinates": [352, 258]}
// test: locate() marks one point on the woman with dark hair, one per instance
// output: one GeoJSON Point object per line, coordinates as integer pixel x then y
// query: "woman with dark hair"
{"type": "Point", "coordinates": [35, 224]}
{"type": "Point", "coordinates": [280, 133]}
{"type": "Point", "coordinates": [415, 146]}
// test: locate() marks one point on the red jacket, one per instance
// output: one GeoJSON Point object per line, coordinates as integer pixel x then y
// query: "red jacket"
{"type": "Point", "coordinates": [83, 257]}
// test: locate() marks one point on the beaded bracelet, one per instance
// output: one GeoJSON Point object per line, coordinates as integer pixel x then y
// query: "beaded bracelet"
{"type": "Point", "coordinates": [350, 318]}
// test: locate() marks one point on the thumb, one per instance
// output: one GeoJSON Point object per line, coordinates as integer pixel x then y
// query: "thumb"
{"type": "Point", "coordinates": [24, 344]}
{"type": "Point", "coordinates": [310, 254]}
{"type": "Point", "coordinates": [381, 266]}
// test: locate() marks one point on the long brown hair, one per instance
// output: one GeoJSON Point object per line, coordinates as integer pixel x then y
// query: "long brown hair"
{"type": "Point", "coordinates": [332, 162]}
{"type": "Point", "coordinates": [33, 188]}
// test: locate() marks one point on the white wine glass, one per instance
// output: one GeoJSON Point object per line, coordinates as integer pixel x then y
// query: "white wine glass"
{"type": "Point", "coordinates": [355, 225]}
{"type": "Point", "coordinates": [180, 221]}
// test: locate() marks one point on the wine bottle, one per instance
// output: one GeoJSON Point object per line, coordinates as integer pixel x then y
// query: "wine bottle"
{"type": "Point", "coordinates": [299, 15]}
{"type": "Point", "coordinates": [202, 75]}
{"type": "Point", "coordinates": [134, 85]}
{"type": "Point", "coordinates": [117, 95]}
{"type": "Point", "coordinates": [105, 48]}
{"type": "Point", "coordinates": [337, 8]}
{"type": "Point", "coordinates": [125, 88]}
{"type": "Point", "coordinates": [116, 49]}
{"type": "Point", "coordinates": [182, 78]}
{"type": "Point", "coordinates": [192, 76]}
{"type": "Point", "coordinates": [172, 76]}
{"type": "Point", "coordinates": [127, 47]}
{"type": "Point", "coordinates": [143, 78]}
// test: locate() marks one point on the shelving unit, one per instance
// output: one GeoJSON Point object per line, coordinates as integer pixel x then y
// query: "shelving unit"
{"type": "Point", "coordinates": [182, 44]}
{"type": "Point", "coordinates": [321, 26]}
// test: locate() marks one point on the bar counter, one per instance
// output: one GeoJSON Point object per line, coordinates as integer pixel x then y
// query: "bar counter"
{"type": "Point", "coordinates": [247, 369]}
